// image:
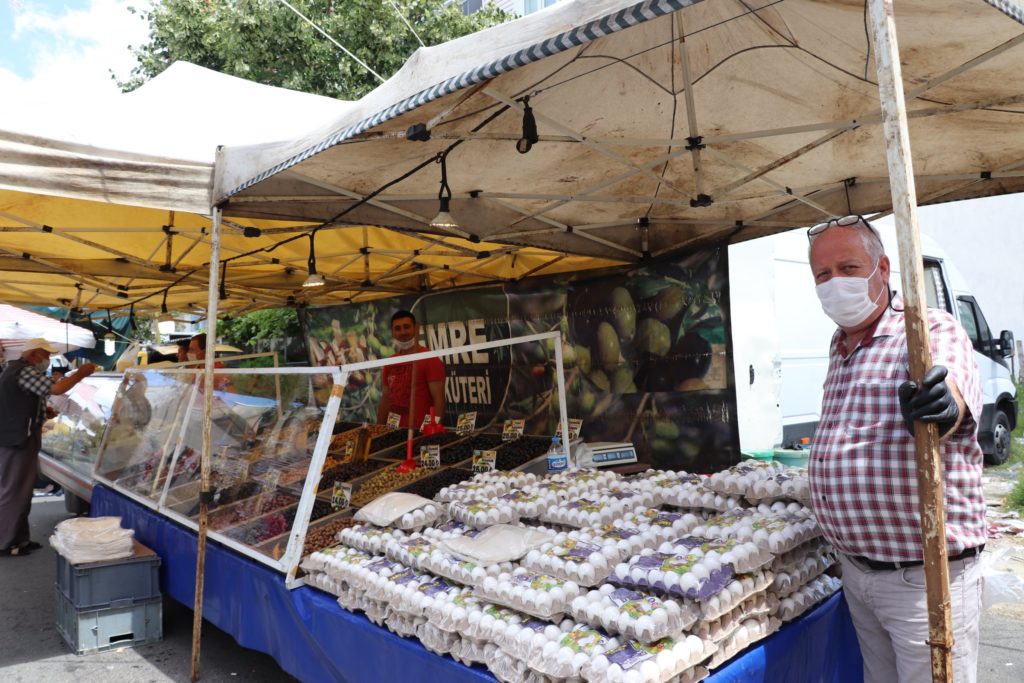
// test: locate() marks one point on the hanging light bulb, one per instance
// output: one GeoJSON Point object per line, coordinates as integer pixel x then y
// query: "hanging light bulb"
{"type": "Point", "coordinates": [314, 279]}
{"type": "Point", "coordinates": [444, 220]}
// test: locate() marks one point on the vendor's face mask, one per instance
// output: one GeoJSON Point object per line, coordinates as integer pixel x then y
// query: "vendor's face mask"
{"type": "Point", "coordinates": [847, 300]}
{"type": "Point", "coordinates": [193, 356]}
{"type": "Point", "coordinates": [405, 345]}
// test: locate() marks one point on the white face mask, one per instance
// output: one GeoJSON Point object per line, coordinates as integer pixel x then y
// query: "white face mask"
{"type": "Point", "coordinates": [847, 300]}
{"type": "Point", "coordinates": [405, 345]}
{"type": "Point", "coordinates": [193, 356]}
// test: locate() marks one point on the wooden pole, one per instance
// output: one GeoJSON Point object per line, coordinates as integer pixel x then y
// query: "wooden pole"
{"type": "Point", "coordinates": [212, 299]}
{"type": "Point", "coordinates": [929, 460]}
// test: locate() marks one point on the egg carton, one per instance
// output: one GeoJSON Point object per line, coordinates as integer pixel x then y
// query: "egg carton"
{"type": "Point", "coordinates": [404, 625]}
{"type": "Point", "coordinates": [566, 656]}
{"type": "Point", "coordinates": [573, 559]}
{"type": "Point", "coordinates": [520, 639]}
{"type": "Point", "coordinates": [628, 540]}
{"type": "Point", "coordinates": [789, 560]}
{"type": "Point", "coordinates": [442, 563]}
{"type": "Point", "coordinates": [355, 600]}
{"type": "Point", "coordinates": [512, 479]}
{"type": "Point", "coordinates": [738, 479]}
{"type": "Point", "coordinates": [743, 556]}
{"type": "Point", "coordinates": [666, 526]}
{"type": "Point", "coordinates": [690, 496]}
{"type": "Point", "coordinates": [741, 588]}
{"type": "Point", "coordinates": [358, 575]}
{"type": "Point", "coordinates": [681, 575]}
{"type": "Point", "coordinates": [793, 484]}
{"type": "Point", "coordinates": [593, 509]}
{"type": "Point", "coordinates": [807, 596]}
{"type": "Point", "coordinates": [472, 490]}
{"type": "Point", "coordinates": [369, 538]}
{"type": "Point", "coordinates": [506, 668]}
{"type": "Point", "coordinates": [750, 631]}
{"type": "Point", "coordinates": [435, 639]}
{"type": "Point", "coordinates": [398, 510]}
{"type": "Point", "coordinates": [325, 583]}
{"type": "Point", "coordinates": [490, 621]}
{"type": "Point", "coordinates": [384, 588]}
{"type": "Point", "coordinates": [410, 549]}
{"type": "Point", "coordinates": [469, 651]}
{"type": "Point", "coordinates": [319, 561]}
{"type": "Point", "coordinates": [593, 478]}
{"type": "Point", "coordinates": [658, 662]}
{"type": "Point", "coordinates": [639, 616]}
{"type": "Point", "coordinates": [775, 533]}
{"type": "Point", "coordinates": [480, 513]}
{"type": "Point", "coordinates": [717, 630]}
{"type": "Point", "coordinates": [783, 507]}
{"type": "Point", "coordinates": [530, 504]}
{"type": "Point", "coordinates": [450, 612]}
{"type": "Point", "coordinates": [376, 611]}
{"type": "Point", "coordinates": [452, 528]}
{"type": "Point", "coordinates": [539, 595]}
{"type": "Point", "coordinates": [786, 583]}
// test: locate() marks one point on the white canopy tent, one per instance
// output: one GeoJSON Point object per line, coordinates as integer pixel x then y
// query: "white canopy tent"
{"type": "Point", "coordinates": [18, 325]}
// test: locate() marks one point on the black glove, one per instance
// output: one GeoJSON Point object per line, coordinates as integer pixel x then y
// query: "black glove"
{"type": "Point", "coordinates": [933, 402]}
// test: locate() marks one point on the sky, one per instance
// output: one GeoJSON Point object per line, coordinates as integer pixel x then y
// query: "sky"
{"type": "Point", "coordinates": [67, 47]}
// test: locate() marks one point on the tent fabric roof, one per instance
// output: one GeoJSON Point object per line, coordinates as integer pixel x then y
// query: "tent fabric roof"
{"type": "Point", "coordinates": [664, 125]}
{"type": "Point", "coordinates": [18, 325]}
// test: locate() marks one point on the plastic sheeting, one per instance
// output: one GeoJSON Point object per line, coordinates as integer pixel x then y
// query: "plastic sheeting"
{"type": "Point", "coordinates": [313, 639]}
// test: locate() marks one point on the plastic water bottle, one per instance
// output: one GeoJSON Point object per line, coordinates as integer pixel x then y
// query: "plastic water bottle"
{"type": "Point", "coordinates": [558, 461]}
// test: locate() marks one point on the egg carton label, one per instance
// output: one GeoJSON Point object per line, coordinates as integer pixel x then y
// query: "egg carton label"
{"type": "Point", "coordinates": [578, 551]}
{"type": "Point", "coordinates": [621, 596]}
{"type": "Point", "coordinates": [435, 587]}
{"type": "Point", "coordinates": [621, 533]}
{"type": "Point", "coordinates": [541, 582]}
{"type": "Point", "coordinates": [582, 638]}
{"type": "Point", "coordinates": [628, 655]}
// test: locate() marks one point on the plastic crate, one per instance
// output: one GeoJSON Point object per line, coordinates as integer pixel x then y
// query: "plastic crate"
{"type": "Point", "coordinates": [96, 585]}
{"type": "Point", "coordinates": [99, 630]}
{"type": "Point", "coordinates": [792, 457]}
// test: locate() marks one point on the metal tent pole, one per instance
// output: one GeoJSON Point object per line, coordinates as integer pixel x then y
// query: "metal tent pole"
{"type": "Point", "coordinates": [929, 460]}
{"type": "Point", "coordinates": [212, 299]}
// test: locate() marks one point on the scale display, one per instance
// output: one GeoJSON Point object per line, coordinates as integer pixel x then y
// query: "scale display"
{"type": "Point", "coordinates": [606, 454]}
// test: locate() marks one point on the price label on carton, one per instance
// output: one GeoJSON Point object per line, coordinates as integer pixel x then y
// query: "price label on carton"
{"type": "Point", "coordinates": [341, 496]}
{"type": "Point", "coordinates": [575, 425]}
{"type": "Point", "coordinates": [430, 456]}
{"type": "Point", "coordinates": [426, 421]}
{"type": "Point", "coordinates": [394, 419]}
{"type": "Point", "coordinates": [512, 429]}
{"type": "Point", "coordinates": [484, 461]}
{"type": "Point", "coordinates": [466, 423]}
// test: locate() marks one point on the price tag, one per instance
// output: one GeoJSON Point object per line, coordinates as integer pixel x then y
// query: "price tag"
{"type": "Point", "coordinates": [575, 425]}
{"type": "Point", "coordinates": [341, 496]}
{"type": "Point", "coordinates": [484, 461]}
{"type": "Point", "coordinates": [426, 421]}
{"type": "Point", "coordinates": [466, 423]}
{"type": "Point", "coordinates": [512, 429]}
{"type": "Point", "coordinates": [350, 449]}
{"type": "Point", "coordinates": [394, 419]}
{"type": "Point", "coordinates": [430, 456]}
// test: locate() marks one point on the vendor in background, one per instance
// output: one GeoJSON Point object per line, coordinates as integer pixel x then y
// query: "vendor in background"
{"type": "Point", "coordinates": [397, 379]}
{"type": "Point", "coordinates": [197, 352]}
{"type": "Point", "coordinates": [24, 390]}
{"type": "Point", "coordinates": [183, 345]}
{"type": "Point", "coordinates": [863, 469]}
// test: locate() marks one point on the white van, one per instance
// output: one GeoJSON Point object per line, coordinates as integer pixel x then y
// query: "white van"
{"type": "Point", "coordinates": [781, 339]}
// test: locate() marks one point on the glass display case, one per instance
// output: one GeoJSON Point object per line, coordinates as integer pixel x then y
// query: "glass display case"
{"type": "Point", "coordinates": [286, 468]}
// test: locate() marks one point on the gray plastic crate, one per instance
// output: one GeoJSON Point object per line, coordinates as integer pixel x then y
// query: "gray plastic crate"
{"type": "Point", "coordinates": [95, 585]}
{"type": "Point", "coordinates": [99, 630]}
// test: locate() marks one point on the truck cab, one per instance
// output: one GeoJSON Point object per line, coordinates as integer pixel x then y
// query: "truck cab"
{"type": "Point", "coordinates": [781, 339]}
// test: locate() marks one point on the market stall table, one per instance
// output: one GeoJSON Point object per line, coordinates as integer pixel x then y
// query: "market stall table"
{"type": "Point", "coordinates": [314, 639]}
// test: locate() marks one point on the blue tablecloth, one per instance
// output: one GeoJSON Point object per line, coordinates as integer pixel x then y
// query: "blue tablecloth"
{"type": "Point", "coordinates": [314, 639]}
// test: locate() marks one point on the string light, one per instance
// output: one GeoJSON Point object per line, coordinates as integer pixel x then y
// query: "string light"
{"type": "Point", "coordinates": [314, 279]}
{"type": "Point", "coordinates": [444, 220]}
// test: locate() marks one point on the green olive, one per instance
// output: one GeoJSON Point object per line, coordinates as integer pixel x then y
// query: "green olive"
{"type": "Point", "coordinates": [582, 359]}
{"type": "Point", "coordinates": [666, 430]}
{"type": "Point", "coordinates": [587, 402]}
{"type": "Point", "coordinates": [669, 302]}
{"type": "Point", "coordinates": [600, 380]}
{"type": "Point", "coordinates": [568, 354]}
{"type": "Point", "coordinates": [653, 337]}
{"type": "Point", "coordinates": [622, 381]}
{"type": "Point", "coordinates": [608, 350]}
{"type": "Point", "coordinates": [625, 313]}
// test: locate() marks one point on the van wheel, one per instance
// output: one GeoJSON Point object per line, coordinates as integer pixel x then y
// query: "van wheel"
{"type": "Point", "coordinates": [1000, 439]}
{"type": "Point", "coordinates": [74, 504]}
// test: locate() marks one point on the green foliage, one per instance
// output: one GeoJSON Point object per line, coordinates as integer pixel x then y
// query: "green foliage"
{"type": "Point", "coordinates": [1016, 498]}
{"type": "Point", "coordinates": [271, 323]}
{"type": "Point", "coordinates": [264, 41]}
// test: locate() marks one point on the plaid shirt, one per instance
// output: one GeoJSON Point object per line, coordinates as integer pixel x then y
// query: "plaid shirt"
{"type": "Point", "coordinates": [32, 381]}
{"type": "Point", "coordinates": [863, 471]}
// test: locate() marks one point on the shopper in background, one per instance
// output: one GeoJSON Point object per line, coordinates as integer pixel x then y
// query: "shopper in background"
{"type": "Point", "coordinates": [863, 470]}
{"type": "Point", "coordinates": [183, 345]}
{"type": "Point", "coordinates": [24, 390]}
{"type": "Point", "coordinates": [397, 379]}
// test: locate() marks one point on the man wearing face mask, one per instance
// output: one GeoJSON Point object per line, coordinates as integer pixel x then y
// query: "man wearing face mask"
{"type": "Point", "coordinates": [863, 471]}
{"type": "Point", "coordinates": [398, 378]}
{"type": "Point", "coordinates": [24, 390]}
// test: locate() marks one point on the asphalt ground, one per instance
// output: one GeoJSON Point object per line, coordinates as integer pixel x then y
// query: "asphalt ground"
{"type": "Point", "coordinates": [31, 650]}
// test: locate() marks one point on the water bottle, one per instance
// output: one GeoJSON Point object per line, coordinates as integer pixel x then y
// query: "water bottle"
{"type": "Point", "coordinates": [558, 461]}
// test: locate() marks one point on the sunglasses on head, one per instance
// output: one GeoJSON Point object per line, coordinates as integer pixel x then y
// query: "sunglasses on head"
{"type": "Point", "coordinates": [851, 221]}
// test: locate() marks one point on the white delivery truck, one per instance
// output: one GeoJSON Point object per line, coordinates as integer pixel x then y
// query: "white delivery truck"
{"type": "Point", "coordinates": [781, 339]}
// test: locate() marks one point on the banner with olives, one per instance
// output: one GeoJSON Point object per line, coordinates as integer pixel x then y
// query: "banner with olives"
{"type": "Point", "coordinates": [644, 349]}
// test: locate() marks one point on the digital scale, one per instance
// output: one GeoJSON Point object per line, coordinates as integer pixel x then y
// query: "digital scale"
{"type": "Point", "coordinates": [605, 454]}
